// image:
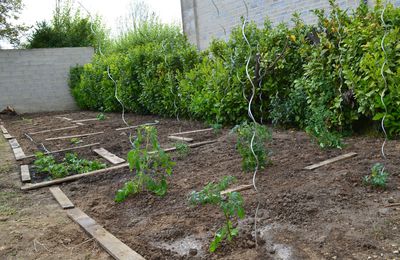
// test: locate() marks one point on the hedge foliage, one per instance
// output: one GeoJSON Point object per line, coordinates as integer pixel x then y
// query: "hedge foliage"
{"type": "Point", "coordinates": [324, 78]}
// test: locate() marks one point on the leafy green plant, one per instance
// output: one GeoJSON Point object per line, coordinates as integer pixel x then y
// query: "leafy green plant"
{"type": "Point", "coordinates": [71, 164]}
{"type": "Point", "coordinates": [101, 117]}
{"type": "Point", "coordinates": [378, 176]}
{"type": "Point", "coordinates": [76, 140]}
{"type": "Point", "coordinates": [231, 206]}
{"type": "Point", "coordinates": [151, 163]}
{"type": "Point", "coordinates": [216, 128]}
{"type": "Point", "coordinates": [246, 143]}
{"type": "Point", "coordinates": [182, 148]}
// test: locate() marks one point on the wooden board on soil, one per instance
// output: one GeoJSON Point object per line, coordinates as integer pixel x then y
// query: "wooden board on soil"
{"type": "Point", "coordinates": [110, 243]}
{"type": "Point", "coordinates": [61, 198]}
{"type": "Point", "coordinates": [25, 175]}
{"type": "Point", "coordinates": [112, 158]}
{"type": "Point", "coordinates": [180, 138]}
{"type": "Point", "coordinates": [53, 130]}
{"type": "Point", "coordinates": [73, 136]}
{"type": "Point", "coordinates": [18, 152]}
{"type": "Point", "coordinates": [3, 129]}
{"type": "Point", "coordinates": [332, 160]}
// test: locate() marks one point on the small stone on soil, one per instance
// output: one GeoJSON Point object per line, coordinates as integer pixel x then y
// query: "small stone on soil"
{"type": "Point", "coordinates": [193, 251]}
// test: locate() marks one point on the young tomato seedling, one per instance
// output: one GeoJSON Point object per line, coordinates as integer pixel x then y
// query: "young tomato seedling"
{"type": "Point", "coordinates": [151, 163]}
{"type": "Point", "coordinates": [378, 176]}
{"type": "Point", "coordinates": [231, 205]}
{"type": "Point", "coordinates": [246, 143]}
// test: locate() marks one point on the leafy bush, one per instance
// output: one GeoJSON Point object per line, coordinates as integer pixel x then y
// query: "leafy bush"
{"type": "Point", "coordinates": [71, 164]}
{"type": "Point", "coordinates": [145, 64]}
{"type": "Point", "coordinates": [324, 79]}
{"type": "Point", "coordinates": [231, 206]}
{"type": "Point", "coordinates": [151, 163]}
{"type": "Point", "coordinates": [378, 176]}
{"type": "Point", "coordinates": [251, 137]}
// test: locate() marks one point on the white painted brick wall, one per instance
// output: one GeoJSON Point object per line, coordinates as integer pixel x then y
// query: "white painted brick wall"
{"type": "Point", "coordinates": [37, 80]}
{"type": "Point", "coordinates": [202, 23]}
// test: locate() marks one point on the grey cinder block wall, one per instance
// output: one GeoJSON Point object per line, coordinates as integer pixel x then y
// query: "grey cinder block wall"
{"type": "Point", "coordinates": [204, 20]}
{"type": "Point", "coordinates": [37, 80]}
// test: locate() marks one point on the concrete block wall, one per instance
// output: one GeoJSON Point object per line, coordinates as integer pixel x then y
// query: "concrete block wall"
{"type": "Point", "coordinates": [204, 20]}
{"type": "Point", "coordinates": [37, 80]}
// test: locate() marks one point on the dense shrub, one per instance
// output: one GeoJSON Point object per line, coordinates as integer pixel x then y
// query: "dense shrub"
{"type": "Point", "coordinates": [324, 78]}
{"type": "Point", "coordinates": [145, 64]}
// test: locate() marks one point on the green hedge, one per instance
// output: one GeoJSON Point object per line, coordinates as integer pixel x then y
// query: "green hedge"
{"type": "Point", "coordinates": [324, 78]}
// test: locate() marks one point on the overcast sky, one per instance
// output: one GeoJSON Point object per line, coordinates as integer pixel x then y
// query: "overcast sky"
{"type": "Point", "coordinates": [169, 11]}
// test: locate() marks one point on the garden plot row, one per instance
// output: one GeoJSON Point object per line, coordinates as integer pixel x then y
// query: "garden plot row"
{"type": "Point", "coordinates": [294, 202]}
{"type": "Point", "coordinates": [84, 150]}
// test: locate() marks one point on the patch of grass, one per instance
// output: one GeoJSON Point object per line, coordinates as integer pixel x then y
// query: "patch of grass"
{"type": "Point", "coordinates": [182, 148]}
{"type": "Point", "coordinates": [6, 200]}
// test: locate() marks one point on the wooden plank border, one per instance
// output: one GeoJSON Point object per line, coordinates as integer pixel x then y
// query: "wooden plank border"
{"type": "Point", "coordinates": [107, 241]}
{"type": "Point", "coordinates": [73, 136]}
{"type": "Point", "coordinates": [112, 158]}
{"type": "Point", "coordinates": [332, 160]}
{"type": "Point", "coordinates": [18, 152]}
{"type": "Point", "coordinates": [61, 198]}
{"type": "Point", "coordinates": [192, 131]}
{"type": "Point", "coordinates": [136, 126]}
{"type": "Point", "coordinates": [237, 189]}
{"type": "Point", "coordinates": [84, 120]}
{"type": "Point", "coordinates": [53, 130]}
{"type": "Point", "coordinates": [63, 150]}
{"type": "Point", "coordinates": [3, 129]}
{"type": "Point", "coordinates": [25, 175]}
{"type": "Point", "coordinates": [82, 175]}
{"type": "Point", "coordinates": [180, 138]}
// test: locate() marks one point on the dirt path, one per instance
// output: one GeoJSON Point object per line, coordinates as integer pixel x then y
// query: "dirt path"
{"type": "Point", "coordinates": [32, 225]}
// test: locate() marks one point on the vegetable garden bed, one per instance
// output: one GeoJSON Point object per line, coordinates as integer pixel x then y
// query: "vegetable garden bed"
{"type": "Point", "coordinates": [323, 213]}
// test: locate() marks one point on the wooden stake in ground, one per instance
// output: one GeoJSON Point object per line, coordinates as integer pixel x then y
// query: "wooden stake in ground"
{"type": "Point", "coordinates": [61, 198]}
{"type": "Point", "coordinates": [112, 158]}
{"type": "Point", "coordinates": [73, 136]}
{"type": "Point", "coordinates": [110, 243]}
{"type": "Point", "coordinates": [332, 160]}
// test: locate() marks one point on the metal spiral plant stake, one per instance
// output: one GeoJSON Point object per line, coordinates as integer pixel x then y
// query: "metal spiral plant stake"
{"type": "Point", "coordinates": [385, 82]}
{"type": "Point", "coordinates": [340, 62]}
{"type": "Point", "coordinates": [252, 117]}
{"type": "Point", "coordinates": [169, 78]}
{"type": "Point", "coordinates": [108, 73]}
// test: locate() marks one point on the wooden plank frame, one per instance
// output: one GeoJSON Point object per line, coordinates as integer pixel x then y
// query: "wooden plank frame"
{"type": "Point", "coordinates": [82, 175]}
{"type": "Point", "coordinates": [332, 160]}
{"type": "Point", "coordinates": [61, 198]}
{"type": "Point", "coordinates": [73, 136]}
{"type": "Point", "coordinates": [112, 158]}
{"type": "Point", "coordinates": [107, 241]}
{"type": "Point", "coordinates": [180, 138]}
{"type": "Point", "coordinates": [192, 132]}
{"type": "Point", "coordinates": [63, 150]}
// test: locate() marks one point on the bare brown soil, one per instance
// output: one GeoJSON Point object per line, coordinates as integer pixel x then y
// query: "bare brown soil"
{"type": "Point", "coordinates": [322, 214]}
